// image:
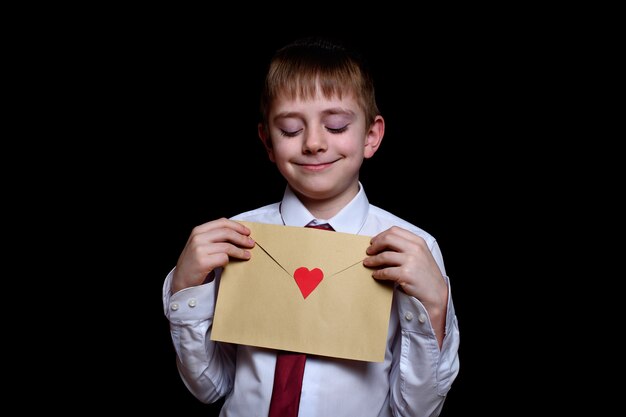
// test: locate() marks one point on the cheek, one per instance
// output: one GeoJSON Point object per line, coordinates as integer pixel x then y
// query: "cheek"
{"type": "Point", "coordinates": [351, 146]}
{"type": "Point", "coordinates": [283, 149]}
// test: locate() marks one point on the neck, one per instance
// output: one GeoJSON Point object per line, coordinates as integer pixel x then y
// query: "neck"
{"type": "Point", "coordinates": [326, 208]}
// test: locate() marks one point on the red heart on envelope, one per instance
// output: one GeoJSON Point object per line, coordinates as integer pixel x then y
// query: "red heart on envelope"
{"type": "Point", "coordinates": [308, 280]}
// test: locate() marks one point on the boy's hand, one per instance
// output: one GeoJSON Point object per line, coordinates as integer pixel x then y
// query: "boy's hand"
{"type": "Point", "coordinates": [403, 257]}
{"type": "Point", "coordinates": [210, 245]}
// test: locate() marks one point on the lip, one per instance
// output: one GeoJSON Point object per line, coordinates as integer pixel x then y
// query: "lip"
{"type": "Point", "coordinates": [316, 166]}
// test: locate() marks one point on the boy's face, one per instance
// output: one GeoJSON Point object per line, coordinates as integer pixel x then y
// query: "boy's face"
{"type": "Point", "coordinates": [319, 145]}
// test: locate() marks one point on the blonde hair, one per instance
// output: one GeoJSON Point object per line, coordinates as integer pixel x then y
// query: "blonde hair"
{"type": "Point", "coordinates": [300, 68]}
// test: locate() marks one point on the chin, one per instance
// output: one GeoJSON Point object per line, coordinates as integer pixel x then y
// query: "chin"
{"type": "Point", "coordinates": [314, 192]}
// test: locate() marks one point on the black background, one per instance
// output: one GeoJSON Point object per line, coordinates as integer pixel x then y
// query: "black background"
{"type": "Point", "coordinates": [175, 124]}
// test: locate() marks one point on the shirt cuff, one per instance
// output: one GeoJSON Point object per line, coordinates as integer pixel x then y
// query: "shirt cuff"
{"type": "Point", "coordinates": [414, 316]}
{"type": "Point", "coordinates": [189, 304]}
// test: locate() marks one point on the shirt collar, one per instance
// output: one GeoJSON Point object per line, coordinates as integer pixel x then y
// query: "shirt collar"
{"type": "Point", "coordinates": [349, 220]}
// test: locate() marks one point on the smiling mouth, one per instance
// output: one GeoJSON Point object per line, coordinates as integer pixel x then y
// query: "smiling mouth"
{"type": "Point", "coordinates": [317, 166]}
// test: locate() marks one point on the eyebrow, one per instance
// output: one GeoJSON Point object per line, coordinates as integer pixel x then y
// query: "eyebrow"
{"type": "Point", "coordinates": [327, 112]}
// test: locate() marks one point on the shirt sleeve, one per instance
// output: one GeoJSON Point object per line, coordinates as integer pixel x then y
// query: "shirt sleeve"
{"type": "Point", "coordinates": [421, 373]}
{"type": "Point", "coordinates": [206, 367]}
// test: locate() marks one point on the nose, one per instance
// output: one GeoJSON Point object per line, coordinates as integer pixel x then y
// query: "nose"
{"type": "Point", "coordinates": [314, 141]}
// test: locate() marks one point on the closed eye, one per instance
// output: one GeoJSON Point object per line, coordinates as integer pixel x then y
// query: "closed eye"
{"type": "Point", "coordinates": [338, 130]}
{"type": "Point", "coordinates": [290, 134]}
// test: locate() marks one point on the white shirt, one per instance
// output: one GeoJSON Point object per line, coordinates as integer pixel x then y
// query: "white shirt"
{"type": "Point", "coordinates": [412, 380]}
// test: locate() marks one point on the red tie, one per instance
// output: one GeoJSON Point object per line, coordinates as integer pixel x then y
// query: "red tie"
{"type": "Point", "coordinates": [288, 374]}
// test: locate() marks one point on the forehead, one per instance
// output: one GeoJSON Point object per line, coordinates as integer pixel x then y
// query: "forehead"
{"type": "Point", "coordinates": [284, 104]}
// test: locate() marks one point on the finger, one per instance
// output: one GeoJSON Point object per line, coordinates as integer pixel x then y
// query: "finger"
{"type": "Point", "coordinates": [216, 260]}
{"type": "Point", "coordinates": [230, 250]}
{"type": "Point", "coordinates": [220, 255]}
{"type": "Point", "coordinates": [234, 237]}
{"type": "Point", "coordinates": [395, 239]}
{"type": "Point", "coordinates": [221, 223]}
{"type": "Point", "coordinates": [220, 235]}
{"type": "Point", "coordinates": [386, 258]}
{"type": "Point", "coordinates": [388, 274]}
{"type": "Point", "coordinates": [387, 240]}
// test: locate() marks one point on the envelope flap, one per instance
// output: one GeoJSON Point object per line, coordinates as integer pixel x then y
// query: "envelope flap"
{"type": "Point", "coordinates": [296, 247]}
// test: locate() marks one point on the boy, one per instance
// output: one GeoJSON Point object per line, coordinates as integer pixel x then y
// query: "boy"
{"type": "Point", "coordinates": [319, 121]}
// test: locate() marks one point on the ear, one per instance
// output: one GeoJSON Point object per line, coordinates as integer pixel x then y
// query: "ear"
{"type": "Point", "coordinates": [267, 141]}
{"type": "Point", "coordinates": [374, 137]}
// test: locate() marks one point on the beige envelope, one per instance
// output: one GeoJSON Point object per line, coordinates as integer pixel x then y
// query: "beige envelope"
{"type": "Point", "coordinates": [304, 290]}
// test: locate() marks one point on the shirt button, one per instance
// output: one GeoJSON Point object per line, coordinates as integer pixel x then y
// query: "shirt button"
{"type": "Point", "coordinates": [174, 306]}
{"type": "Point", "coordinates": [192, 303]}
{"type": "Point", "coordinates": [421, 318]}
{"type": "Point", "coordinates": [408, 316]}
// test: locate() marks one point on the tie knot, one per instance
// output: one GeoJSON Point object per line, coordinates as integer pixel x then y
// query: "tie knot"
{"type": "Point", "coordinates": [323, 226]}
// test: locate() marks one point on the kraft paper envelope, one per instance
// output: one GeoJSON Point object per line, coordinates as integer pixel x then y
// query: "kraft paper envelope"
{"type": "Point", "coordinates": [304, 290]}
